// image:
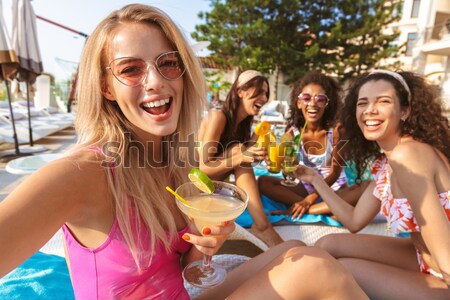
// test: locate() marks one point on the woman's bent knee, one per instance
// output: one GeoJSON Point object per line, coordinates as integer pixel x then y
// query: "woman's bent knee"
{"type": "Point", "coordinates": [328, 242]}
{"type": "Point", "coordinates": [313, 260]}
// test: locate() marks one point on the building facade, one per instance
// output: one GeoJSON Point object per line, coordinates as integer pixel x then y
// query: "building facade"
{"type": "Point", "coordinates": [425, 31]}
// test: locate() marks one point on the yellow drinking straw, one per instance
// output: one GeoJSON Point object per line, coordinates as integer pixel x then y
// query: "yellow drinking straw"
{"type": "Point", "coordinates": [178, 196]}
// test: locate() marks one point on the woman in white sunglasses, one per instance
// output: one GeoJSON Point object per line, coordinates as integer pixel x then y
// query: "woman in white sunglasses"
{"type": "Point", "coordinates": [315, 103]}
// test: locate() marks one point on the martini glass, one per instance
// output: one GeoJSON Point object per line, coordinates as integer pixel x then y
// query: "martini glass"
{"type": "Point", "coordinates": [225, 204]}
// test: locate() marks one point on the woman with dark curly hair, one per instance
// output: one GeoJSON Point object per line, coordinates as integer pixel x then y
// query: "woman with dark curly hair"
{"type": "Point", "coordinates": [396, 117]}
{"type": "Point", "coordinates": [227, 147]}
{"type": "Point", "coordinates": [315, 103]}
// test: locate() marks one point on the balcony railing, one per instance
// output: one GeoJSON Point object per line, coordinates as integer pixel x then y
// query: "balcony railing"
{"type": "Point", "coordinates": [438, 32]}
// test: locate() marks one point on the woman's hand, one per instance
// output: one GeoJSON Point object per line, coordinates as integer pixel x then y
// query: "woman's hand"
{"type": "Point", "coordinates": [212, 237]}
{"type": "Point", "coordinates": [306, 173]}
{"type": "Point", "coordinates": [298, 209]}
{"type": "Point", "coordinates": [254, 153]}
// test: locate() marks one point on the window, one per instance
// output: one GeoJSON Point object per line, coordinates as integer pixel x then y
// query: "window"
{"type": "Point", "coordinates": [415, 9]}
{"type": "Point", "coordinates": [412, 36]}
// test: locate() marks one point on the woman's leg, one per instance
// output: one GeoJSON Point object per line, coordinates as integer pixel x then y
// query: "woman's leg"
{"type": "Point", "coordinates": [350, 194]}
{"type": "Point", "coordinates": [272, 188]}
{"type": "Point", "coordinates": [385, 267]}
{"type": "Point", "coordinates": [377, 248]}
{"type": "Point", "coordinates": [289, 271]}
{"type": "Point", "coordinates": [245, 179]}
{"type": "Point", "coordinates": [382, 281]}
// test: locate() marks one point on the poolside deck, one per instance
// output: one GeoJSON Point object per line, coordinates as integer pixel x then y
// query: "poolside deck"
{"type": "Point", "coordinates": [55, 143]}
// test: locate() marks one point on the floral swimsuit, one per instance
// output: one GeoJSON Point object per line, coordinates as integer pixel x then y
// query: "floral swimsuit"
{"type": "Point", "coordinates": [398, 212]}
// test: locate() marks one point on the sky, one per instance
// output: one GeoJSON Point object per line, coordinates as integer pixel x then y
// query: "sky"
{"type": "Point", "coordinates": [83, 16]}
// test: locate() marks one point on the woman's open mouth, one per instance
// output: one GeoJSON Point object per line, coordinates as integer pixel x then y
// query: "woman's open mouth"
{"type": "Point", "coordinates": [157, 107]}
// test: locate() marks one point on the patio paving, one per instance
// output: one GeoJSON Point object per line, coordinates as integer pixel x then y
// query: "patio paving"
{"type": "Point", "coordinates": [55, 143]}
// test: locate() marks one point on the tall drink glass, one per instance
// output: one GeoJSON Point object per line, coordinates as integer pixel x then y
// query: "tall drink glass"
{"type": "Point", "coordinates": [289, 164]}
{"type": "Point", "coordinates": [225, 204]}
{"type": "Point", "coordinates": [276, 155]}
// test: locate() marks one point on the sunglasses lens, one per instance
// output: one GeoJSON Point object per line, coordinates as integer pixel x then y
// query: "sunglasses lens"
{"type": "Point", "coordinates": [128, 70]}
{"type": "Point", "coordinates": [321, 100]}
{"type": "Point", "coordinates": [305, 97]}
{"type": "Point", "coordinates": [170, 65]}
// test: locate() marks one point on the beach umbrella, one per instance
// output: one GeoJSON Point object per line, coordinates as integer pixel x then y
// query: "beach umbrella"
{"type": "Point", "coordinates": [25, 44]}
{"type": "Point", "coordinates": [8, 68]}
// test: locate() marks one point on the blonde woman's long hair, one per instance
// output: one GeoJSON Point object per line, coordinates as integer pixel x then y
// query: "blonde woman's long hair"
{"type": "Point", "coordinates": [139, 195]}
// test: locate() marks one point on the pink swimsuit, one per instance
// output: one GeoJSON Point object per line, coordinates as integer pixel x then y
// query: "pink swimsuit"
{"type": "Point", "coordinates": [398, 212]}
{"type": "Point", "coordinates": [110, 272]}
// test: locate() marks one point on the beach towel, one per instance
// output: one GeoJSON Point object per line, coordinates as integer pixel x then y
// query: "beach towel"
{"type": "Point", "coordinates": [42, 276]}
{"type": "Point", "coordinates": [245, 220]}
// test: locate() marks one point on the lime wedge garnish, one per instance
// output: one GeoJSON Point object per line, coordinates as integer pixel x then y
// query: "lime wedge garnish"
{"type": "Point", "coordinates": [201, 181]}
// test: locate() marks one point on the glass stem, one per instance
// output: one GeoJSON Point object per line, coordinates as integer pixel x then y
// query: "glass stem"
{"type": "Point", "coordinates": [207, 261]}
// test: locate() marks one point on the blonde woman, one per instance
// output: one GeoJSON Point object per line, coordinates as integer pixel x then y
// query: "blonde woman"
{"type": "Point", "coordinates": [140, 85]}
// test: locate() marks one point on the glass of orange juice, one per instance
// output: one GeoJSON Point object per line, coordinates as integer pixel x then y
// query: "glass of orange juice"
{"type": "Point", "coordinates": [276, 154]}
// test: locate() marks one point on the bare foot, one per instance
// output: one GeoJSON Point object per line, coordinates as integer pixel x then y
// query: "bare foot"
{"type": "Point", "coordinates": [267, 235]}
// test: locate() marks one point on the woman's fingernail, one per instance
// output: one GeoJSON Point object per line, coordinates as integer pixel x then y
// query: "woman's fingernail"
{"type": "Point", "coordinates": [226, 223]}
{"type": "Point", "coordinates": [186, 237]}
{"type": "Point", "coordinates": [206, 230]}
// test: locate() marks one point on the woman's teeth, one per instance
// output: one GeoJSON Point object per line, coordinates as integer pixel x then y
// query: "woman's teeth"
{"type": "Point", "coordinates": [157, 107]}
{"type": "Point", "coordinates": [372, 123]}
{"type": "Point", "coordinates": [156, 103]}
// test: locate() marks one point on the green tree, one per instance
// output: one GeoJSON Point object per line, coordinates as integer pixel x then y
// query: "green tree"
{"type": "Point", "coordinates": [359, 39]}
{"type": "Point", "coordinates": [345, 37]}
{"type": "Point", "coordinates": [216, 83]}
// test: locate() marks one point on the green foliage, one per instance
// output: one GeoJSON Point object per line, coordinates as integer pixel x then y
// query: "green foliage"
{"type": "Point", "coordinates": [345, 37]}
{"type": "Point", "coordinates": [216, 83]}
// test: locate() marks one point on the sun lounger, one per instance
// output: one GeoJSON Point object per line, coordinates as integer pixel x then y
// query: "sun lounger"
{"type": "Point", "coordinates": [40, 129]}
{"type": "Point", "coordinates": [43, 121]}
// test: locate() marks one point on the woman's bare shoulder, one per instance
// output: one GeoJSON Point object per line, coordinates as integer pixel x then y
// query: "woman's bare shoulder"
{"type": "Point", "coordinates": [414, 155]}
{"type": "Point", "coordinates": [410, 149]}
{"type": "Point", "coordinates": [74, 173]}
{"type": "Point", "coordinates": [217, 115]}
{"type": "Point", "coordinates": [215, 123]}
{"type": "Point", "coordinates": [80, 161]}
